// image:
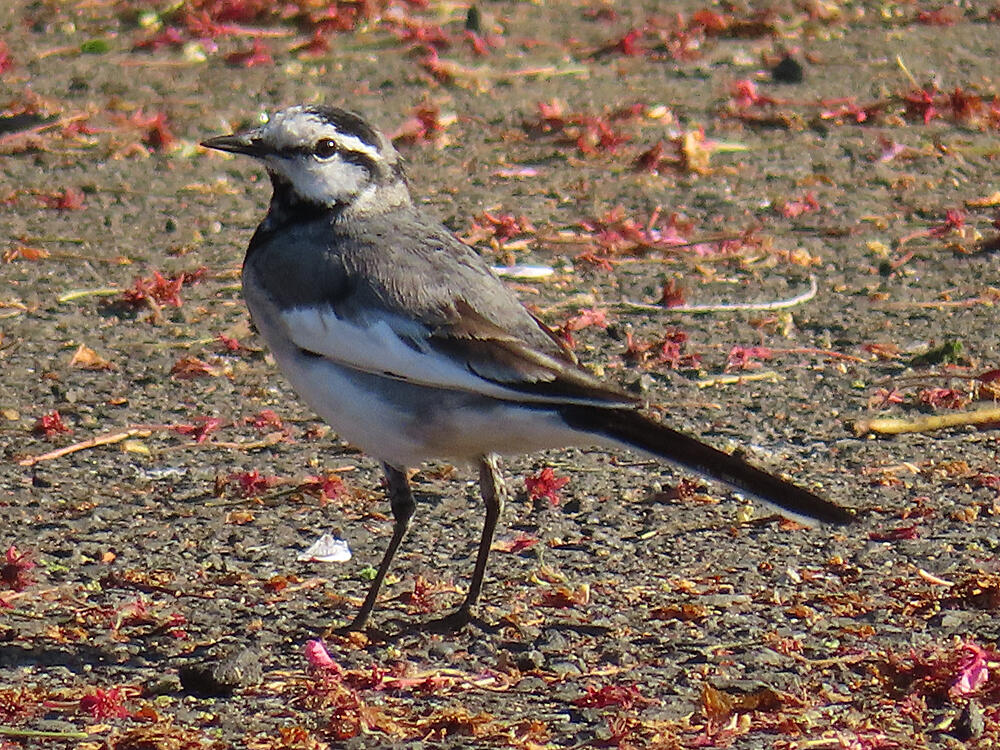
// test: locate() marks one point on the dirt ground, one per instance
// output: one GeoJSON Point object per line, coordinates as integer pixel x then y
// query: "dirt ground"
{"type": "Point", "coordinates": [152, 595]}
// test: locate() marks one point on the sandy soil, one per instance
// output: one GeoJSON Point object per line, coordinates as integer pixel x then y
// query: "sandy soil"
{"type": "Point", "coordinates": [166, 607]}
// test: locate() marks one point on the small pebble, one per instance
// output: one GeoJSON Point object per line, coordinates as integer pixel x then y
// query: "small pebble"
{"type": "Point", "coordinates": [564, 668]}
{"type": "Point", "coordinates": [212, 677]}
{"type": "Point", "coordinates": [970, 724]}
{"type": "Point", "coordinates": [789, 70]}
{"type": "Point", "coordinates": [530, 661]}
{"type": "Point", "coordinates": [473, 20]}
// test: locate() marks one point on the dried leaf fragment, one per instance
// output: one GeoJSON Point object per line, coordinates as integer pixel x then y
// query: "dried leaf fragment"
{"type": "Point", "coordinates": [86, 358]}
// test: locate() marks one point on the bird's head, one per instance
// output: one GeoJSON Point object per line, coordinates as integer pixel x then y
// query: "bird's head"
{"type": "Point", "coordinates": [324, 156]}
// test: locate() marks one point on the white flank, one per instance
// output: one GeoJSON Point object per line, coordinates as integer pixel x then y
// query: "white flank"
{"type": "Point", "coordinates": [379, 348]}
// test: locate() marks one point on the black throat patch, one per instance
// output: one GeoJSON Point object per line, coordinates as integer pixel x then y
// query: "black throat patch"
{"type": "Point", "coordinates": [289, 209]}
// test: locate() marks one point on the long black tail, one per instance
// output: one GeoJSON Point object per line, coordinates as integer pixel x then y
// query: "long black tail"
{"type": "Point", "coordinates": [631, 428]}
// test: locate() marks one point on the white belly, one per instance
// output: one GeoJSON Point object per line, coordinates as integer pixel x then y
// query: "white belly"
{"type": "Point", "coordinates": [404, 424]}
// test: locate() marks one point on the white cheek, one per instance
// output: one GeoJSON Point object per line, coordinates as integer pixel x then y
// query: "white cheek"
{"type": "Point", "coordinates": [321, 182]}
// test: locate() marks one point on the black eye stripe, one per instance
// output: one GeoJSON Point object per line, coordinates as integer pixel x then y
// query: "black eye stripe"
{"type": "Point", "coordinates": [361, 160]}
{"type": "Point", "coordinates": [357, 158]}
{"type": "Point", "coordinates": [347, 123]}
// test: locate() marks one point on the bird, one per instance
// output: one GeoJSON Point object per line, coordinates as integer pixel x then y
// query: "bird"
{"type": "Point", "coordinates": [406, 342]}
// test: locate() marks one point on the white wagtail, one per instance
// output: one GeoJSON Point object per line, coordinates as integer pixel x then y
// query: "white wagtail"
{"type": "Point", "coordinates": [411, 348]}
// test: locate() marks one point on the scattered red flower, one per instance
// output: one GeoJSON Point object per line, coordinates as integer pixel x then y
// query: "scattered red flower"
{"type": "Point", "coordinates": [105, 704]}
{"type": "Point", "coordinates": [50, 425]}
{"type": "Point", "coordinates": [714, 23]}
{"type": "Point", "coordinates": [973, 670]}
{"type": "Point", "coordinates": [521, 542]}
{"type": "Point", "coordinates": [70, 199]}
{"type": "Point", "coordinates": [673, 294]}
{"type": "Point", "coordinates": [418, 33]}
{"type": "Point", "coordinates": [171, 37]}
{"type": "Point", "coordinates": [618, 234]}
{"type": "Point", "coordinates": [421, 598]}
{"type": "Point", "coordinates": [791, 209]}
{"type": "Point", "coordinates": [563, 597]}
{"type": "Point", "coordinates": [483, 45]}
{"type": "Point", "coordinates": [231, 344]}
{"type": "Point", "coordinates": [498, 228]}
{"type": "Point", "coordinates": [258, 54]}
{"type": "Point", "coordinates": [946, 16]}
{"type": "Point", "coordinates": [590, 134]}
{"type": "Point", "coordinates": [672, 352]}
{"type": "Point", "coordinates": [839, 110]}
{"type": "Point", "coordinates": [745, 357]}
{"type": "Point", "coordinates": [251, 483]}
{"type": "Point", "coordinates": [319, 658]}
{"type": "Point", "coordinates": [173, 626]}
{"type": "Point", "coordinates": [954, 218]}
{"type": "Point", "coordinates": [585, 319]}
{"type": "Point", "coordinates": [424, 124]}
{"type": "Point", "coordinates": [943, 672]}
{"type": "Point", "coordinates": [328, 487]}
{"type": "Point", "coordinates": [947, 398]}
{"type": "Point", "coordinates": [667, 36]}
{"type": "Point", "coordinates": [629, 45]}
{"type": "Point", "coordinates": [155, 132]}
{"type": "Point", "coordinates": [160, 289]}
{"type": "Point", "coordinates": [6, 61]}
{"type": "Point", "coordinates": [15, 573]}
{"type": "Point", "coordinates": [893, 535]}
{"type": "Point", "coordinates": [883, 397]}
{"type": "Point", "coordinates": [920, 105]}
{"type": "Point", "coordinates": [744, 94]}
{"type": "Point", "coordinates": [954, 221]}
{"type": "Point", "coordinates": [668, 351]}
{"type": "Point", "coordinates": [545, 484]}
{"type": "Point", "coordinates": [655, 159]}
{"type": "Point", "coordinates": [266, 421]}
{"type": "Point", "coordinates": [623, 696]}
{"type": "Point", "coordinates": [200, 432]}
{"type": "Point", "coordinates": [189, 368]}
{"type": "Point", "coordinates": [964, 107]}
{"type": "Point", "coordinates": [685, 489]}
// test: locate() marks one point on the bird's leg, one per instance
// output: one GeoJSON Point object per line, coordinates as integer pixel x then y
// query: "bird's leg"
{"type": "Point", "coordinates": [401, 500]}
{"type": "Point", "coordinates": [494, 492]}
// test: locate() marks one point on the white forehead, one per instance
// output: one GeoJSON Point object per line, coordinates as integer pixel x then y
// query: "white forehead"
{"type": "Point", "coordinates": [301, 127]}
{"type": "Point", "coordinates": [296, 126]}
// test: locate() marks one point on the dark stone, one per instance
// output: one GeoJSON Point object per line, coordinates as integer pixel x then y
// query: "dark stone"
{"type": "Point", "coordinates": [789, 70]}
{"type": "Point", "coordinates": [970, 724]}
{"type": "Point", "coordinates": [473, 20]}
{"type": "Point", "coordinates": [215, 677]}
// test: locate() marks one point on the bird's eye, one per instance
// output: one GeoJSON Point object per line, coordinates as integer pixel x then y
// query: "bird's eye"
{"type": "Point", "coordinates": [325, 148]}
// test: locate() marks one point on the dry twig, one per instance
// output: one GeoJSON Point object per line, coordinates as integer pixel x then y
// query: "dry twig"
{"type": "Point", "coordinates": [108, 439]}
{"type": "Point", "coordinates": [780, 304]}
{"type": "Point", "coordinates": [890, 426]}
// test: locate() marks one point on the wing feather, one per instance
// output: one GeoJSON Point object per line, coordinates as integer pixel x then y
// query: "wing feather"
{"type": "Point", "coordinates": [430, 313]}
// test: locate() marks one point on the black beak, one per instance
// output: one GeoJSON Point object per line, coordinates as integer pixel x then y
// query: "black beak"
{"type": "Point", "coordinates": [238, 143]}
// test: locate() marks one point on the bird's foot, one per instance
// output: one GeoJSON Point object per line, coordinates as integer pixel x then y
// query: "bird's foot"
{"type": "Point", "coordinates": [360, 624]}
{"type": "Point", "coordinates": [457, 620]}
{"type": "Point", "coordinates": [449, 623]}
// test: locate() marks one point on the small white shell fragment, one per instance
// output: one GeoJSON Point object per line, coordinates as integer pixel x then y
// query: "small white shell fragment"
{"type": "Point", "coordinates": [326, 549]}
{"type": "Point", "coordinates": [524, 272]}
